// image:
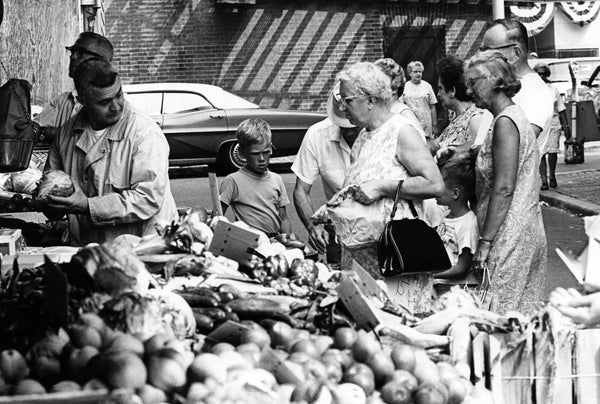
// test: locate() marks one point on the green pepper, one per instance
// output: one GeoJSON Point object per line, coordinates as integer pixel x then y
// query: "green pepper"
{"type": "Point", "coordinates": [275, 266]}
{"type": "Point", "coordinates": [303, 272]}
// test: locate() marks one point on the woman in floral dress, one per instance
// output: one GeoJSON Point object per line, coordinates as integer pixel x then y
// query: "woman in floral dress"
{"type": "Point", "coordinates": [512, 241]}
{"type": "Point", "coordinates": [390, 148]}
{"type": "Point", "coordinates": [469, 121]}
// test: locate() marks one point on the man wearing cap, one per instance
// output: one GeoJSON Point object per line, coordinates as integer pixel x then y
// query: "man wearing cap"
{"type": "Point", "coordinates": [117, 158]}
{"type": "Point", "coordinates": [325, 152]}
{"type": "Point", "coordinates": [61, 109]}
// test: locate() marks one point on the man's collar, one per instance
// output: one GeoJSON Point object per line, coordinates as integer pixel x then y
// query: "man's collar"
{"type": "Point", "coordinates": [114, 132]}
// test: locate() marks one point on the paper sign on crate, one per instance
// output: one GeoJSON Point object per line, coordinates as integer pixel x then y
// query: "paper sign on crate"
{"type": "Point", "coordinates": [585, 265]}
{"type": "Point", "coordinates": [233, 242]}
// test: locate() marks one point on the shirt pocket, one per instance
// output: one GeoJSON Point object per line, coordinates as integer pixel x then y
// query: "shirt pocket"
{"type": "Point", "coordinates": [117, 182]}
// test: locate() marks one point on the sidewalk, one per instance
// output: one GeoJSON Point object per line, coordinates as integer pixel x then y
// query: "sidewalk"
{"type": "Point", "coordinates": [578, 188]}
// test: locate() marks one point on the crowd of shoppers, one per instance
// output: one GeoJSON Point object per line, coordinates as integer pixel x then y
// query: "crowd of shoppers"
{"type": "Point", "coordinates": [380, 140]}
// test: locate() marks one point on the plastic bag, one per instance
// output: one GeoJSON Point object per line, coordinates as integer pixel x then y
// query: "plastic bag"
{"type": "Point", "coordinates": [355, 223]}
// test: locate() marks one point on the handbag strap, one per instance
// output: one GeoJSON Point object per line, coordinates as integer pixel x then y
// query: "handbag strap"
{"type": "Point", "coordinates": [397, 199]}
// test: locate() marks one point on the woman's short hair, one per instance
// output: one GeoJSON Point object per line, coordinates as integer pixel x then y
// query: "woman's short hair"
{"type": "Point", "coordinates": [253, 131]}
{"type": "Point", "coordinates": [395, 73]}
{"type": "Point", "coordinates": [497, 67]}
{"type": "Point", "coordinates": [413, 64]}
{"type": "Point", "coordinates": [368, 79]}
{"type": "Point", "coordinates": [451, 71]}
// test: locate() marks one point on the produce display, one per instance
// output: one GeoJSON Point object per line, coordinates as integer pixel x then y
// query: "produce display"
{"type": "Point", "coordinates": [168, 320]}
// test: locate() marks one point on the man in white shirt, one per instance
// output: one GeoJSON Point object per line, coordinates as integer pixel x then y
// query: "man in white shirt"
{"type": "Point", "coordinates": [509, 37]}
{"type": "Point", "coordinates": [325, 152]}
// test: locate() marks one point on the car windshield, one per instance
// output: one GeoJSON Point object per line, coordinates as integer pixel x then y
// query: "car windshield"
{"type": "Point", "coordinates": [223, 100]}
{"type": "Point", "coordinates": [559, 71]}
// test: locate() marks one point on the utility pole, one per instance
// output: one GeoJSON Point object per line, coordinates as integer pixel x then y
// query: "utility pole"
{"type": "Point", "coordinates": [497, 9]}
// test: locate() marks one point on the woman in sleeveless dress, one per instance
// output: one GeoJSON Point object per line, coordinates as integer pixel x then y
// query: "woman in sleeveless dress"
{"type": "Point", "coordinates": [390, 148]}
{"type": "Point", "coordinates": [512, 238]}
{"type": "Point", "coordinates": [469, 121]}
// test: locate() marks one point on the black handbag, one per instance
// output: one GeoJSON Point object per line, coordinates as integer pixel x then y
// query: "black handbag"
{"type": "Point", "coordinates": [410, 246]}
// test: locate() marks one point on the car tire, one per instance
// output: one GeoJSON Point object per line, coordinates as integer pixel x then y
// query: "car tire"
{"type": "Point", "coordinates": [230, 159]}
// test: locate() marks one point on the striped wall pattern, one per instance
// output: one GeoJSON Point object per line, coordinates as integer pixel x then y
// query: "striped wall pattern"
{"type": "Point", "coordinates": [276, 53]}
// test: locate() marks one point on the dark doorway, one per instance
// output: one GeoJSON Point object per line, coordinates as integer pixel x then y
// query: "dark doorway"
{"type": "Point", "coordinates": [426, 44]}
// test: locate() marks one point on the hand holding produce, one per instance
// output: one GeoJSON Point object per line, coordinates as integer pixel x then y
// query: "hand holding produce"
{"type": "Point", "coordinates": [54, 182]}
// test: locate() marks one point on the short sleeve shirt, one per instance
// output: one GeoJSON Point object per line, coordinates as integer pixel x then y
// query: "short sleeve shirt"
{"type": "Point", "coordinates": [419, 98]}
{"type": "Point", "coordinates": [559, 106]}
{"type": "Point", "coordinates": [255, 199]}
{"type": "Point", "coordinates": [459, 233]}
{"type": "Point", "coordinates": [537, 101]}
{"type": "Point", "coordinates": [323, 152]}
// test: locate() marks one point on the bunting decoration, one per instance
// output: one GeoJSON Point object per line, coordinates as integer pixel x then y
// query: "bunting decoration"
{"type": "Point", "coordinates": [582, 12]}
{"type": "Point", "coordinates": [535, 16]}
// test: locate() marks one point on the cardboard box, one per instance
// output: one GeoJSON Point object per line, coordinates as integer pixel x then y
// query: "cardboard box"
{"type": "Point", "coordinates": [11, 241]}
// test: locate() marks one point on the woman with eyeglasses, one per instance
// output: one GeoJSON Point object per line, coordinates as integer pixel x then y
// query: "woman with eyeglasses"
{"type": "Point", "coordinates": [470, 123]}
{"type": "Point", "coordinates": [390, 148]}
{"type": "Point", "coordinates": [420, 97]}
{"type": "Point", "coordinates": [511, 252]}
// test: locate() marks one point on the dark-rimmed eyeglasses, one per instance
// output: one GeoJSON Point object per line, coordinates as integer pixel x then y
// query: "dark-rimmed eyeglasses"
{"type": "Point", "coordinates": [487, 48]}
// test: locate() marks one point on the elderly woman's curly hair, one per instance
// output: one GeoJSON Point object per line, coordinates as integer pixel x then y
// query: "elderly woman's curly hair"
{"type": "Point", "coordinates": [368, 79]}
{"type": "Point", "coordinates": [451, 71]}
{"type": "Point", "coordinates": [497, 68]}
{"type": "Point", "coordinates": [395, 73]}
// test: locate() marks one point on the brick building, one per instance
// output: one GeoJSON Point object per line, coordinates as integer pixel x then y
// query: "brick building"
{"type": "Point", "coordinates": [284, 53]}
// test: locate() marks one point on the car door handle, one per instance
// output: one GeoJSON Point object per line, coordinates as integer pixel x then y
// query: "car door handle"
{"type": "Point", "coordinates": [217, 116]}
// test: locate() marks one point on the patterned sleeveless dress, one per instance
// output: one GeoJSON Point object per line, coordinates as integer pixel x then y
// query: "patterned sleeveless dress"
{"type": "Point", "coordinates": [374, 157]}
{"type": "Point", "coordinates": [517, 259]}
{"type": "Point", "coordinates": [456, 133]}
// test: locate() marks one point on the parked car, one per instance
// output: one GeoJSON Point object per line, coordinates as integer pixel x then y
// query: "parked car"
{"type": "Point", "coordinates": [560, 77]}
{"type": "Point", "coordinates": [200, 120]}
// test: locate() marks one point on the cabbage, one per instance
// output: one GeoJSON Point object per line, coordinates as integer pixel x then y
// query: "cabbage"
{"type": "Point", "coordinates": [55, 182]}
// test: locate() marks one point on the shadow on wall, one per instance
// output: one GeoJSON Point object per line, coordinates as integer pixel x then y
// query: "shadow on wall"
{"type": "Point", "coordinates": [275, 54]}
{"type": "Point", "coordinates": [276, 57]}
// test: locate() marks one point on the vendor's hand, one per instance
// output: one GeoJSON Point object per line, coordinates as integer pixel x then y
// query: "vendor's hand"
{"type": "Point", "coordinates": [317, 239]}
{"type": "Point", "coordinates": [367, 192]}
{"type": "Point", "coordinates": [76, 203]}
{"type": "Point", "coordinates": [581, 309]}
{"type": "Point", "coordinates": [481, 256]}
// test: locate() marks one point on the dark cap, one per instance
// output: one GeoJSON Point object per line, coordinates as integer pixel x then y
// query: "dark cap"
{"type": "Point", "coordinates": [94, 44]}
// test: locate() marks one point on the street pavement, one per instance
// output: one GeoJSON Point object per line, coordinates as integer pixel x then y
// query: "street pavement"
{"type": "Point", "coordinates": [577, 195]}
{"type": "Point", "coordinates": [578, 188]}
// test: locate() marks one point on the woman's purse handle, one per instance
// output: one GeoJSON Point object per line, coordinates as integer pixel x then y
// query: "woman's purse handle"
{"type": "Point", "coordinates": [397, 198]}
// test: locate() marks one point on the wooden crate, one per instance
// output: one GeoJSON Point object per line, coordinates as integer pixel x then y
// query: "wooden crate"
{"type": "Point", "coordinates": [78, 397]}
{"type": "Point", "coordinates": [540, 367]}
